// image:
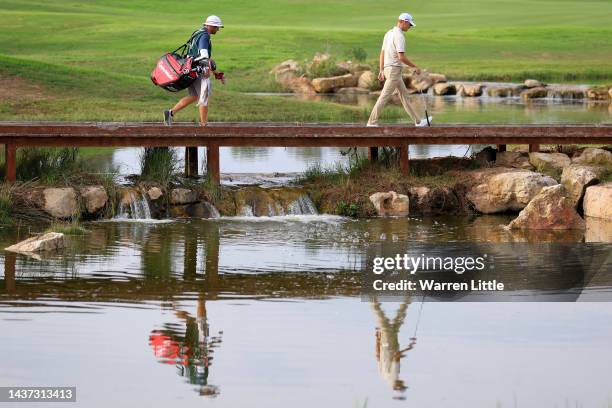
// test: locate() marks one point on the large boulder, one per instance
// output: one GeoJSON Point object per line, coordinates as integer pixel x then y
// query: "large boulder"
{"type": "Point", "coordinates": [549, 163]}
{"type": "Point", "coordinates": [598, 201]}
{"type": "Point", "coordinates": [533, 83]}
{"type": "Point", "coordinates": [598, 93]}
{"type": "Point", "coordinates": [507, 191]}
{"type": "Point", "coordinates": [183, 196]}
{"type": "Point", "coordinates": [534, 93]}
{"type": "Point", "coordinates": [391, 204]}
{"type": "Point", "coordinates": [47, 242]}
{"type": "Point", "coordinates": [289, 64]}
{"type": "Point", "coordinates": [437, 78]}
{"type": "Point", "coordinates": [94, 198]}
{"type": "Point", "coordinates": [504, 91]}
{"type": "Point", "coordinates": [518, 160]}
{"type": "Point", "coordinates": [594, 155]}
{"type": "Point", "coordinates": [470, 90]}
{"type": "Point", "coordinates": [60, 202]}
{"type": "Point", "coordinates": [577, 177]}
{"type": "Point", "coordinates": [421, 84]}
{"type": "Point", "coordinates": [301, 85]}
{"type": "Point", "coordinates": [444, 88]}
{"type": "Point", "coordinates": [154, 193]}
{"type": "Point", "coordinates": [439, 200]}
{"type": "Point", "coordinates": [369, 80]}
{"type": "Point", "coordinates": [550, 209]}
{"type": "Point", "coordinates": [598, 230]}
{"type": "Point", "coordinates": [330, 84]}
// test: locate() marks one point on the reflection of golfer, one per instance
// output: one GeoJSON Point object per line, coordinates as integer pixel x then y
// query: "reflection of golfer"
{"type": "Point", "coordinates": [388, 353]}
{"type": "Point", "coordinates": [392, 56]}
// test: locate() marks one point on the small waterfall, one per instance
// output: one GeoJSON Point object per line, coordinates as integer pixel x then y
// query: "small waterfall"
{"type": "Point", "coordinates": [246, 211]}
{"type": "Point", "coordinates": [302, 206]}
{"type": "Point", "coordinates": [214, 213]}
{"type": "Point", "coordinates": [134, 205]}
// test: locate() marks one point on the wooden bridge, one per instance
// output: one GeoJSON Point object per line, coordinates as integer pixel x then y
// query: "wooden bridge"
{"type": "Point", "coordinates": [110, 134]}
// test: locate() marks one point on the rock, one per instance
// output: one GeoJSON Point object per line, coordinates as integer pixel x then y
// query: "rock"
{"type": "Point", "coordinates": [421, 84]}
{"type": "Point", "coordinates": [444, 88]}
{"type": "Point", "coordinates": [511, 190]}
{"type": "Point", "coordinates": [598, 201]}
{"type": "Point", "coordinates": [330, 84]}
{"type": "Point", "coordinates": [194, 210]}
{"type": "Point", "coordinates": [439, 200]}
{"type": "Point", "coordinates": [598, 230]}
{"type": "Point", "coordinates": [353, 91]}
{"type": "Point", "coordinates": [469, 90]}
{"type": "Point", "coordinates": [568, 93]}
{"type": "Point", "coordinates": [576, 178]}
{"type": "Point", "coordinates": [533, 83]}
{"type": "Point", "coordinates": [183, 196]}
{"type": "Point", "coordinates": [60, 202]}
{"type": "Point", "coordinates": [320, 57]}
{"type": "Point", "coordinates": [343, 67]}
{"type": "Point", "coordinates": [594, 155]}
{"type": "Point", "coordinates": [369, 80]}
{"type": "Point", "coordinates": [486, 156]}
{"type": "Point", "coordinates": [301, 85]}
{"type": "Point", "coordinates": [550, 209]}
{"type": "Point", "coordinates": [94, 198]}
{"type": "Point", "coordinates": [47, 242]}
{"type": "Point", "coordinates": [549, 163]}
{"type": "Point", "coordinates": [286, 75]}
{"type": "Point", "coordinates": [437, 78]}
{"type": "Point", "coordinates": [598, 93]}
{"type": "Point", "coordinates": [534, 93]}
{"type": "Point", "coordinates": [610, 92]}
{"type": "Point", "coordinates": [290, 64]}
{"type": "Point", "coordinates": [518, 160]}
{"type": "Point", "coordinates": [359, 68]}
{"type": "Point", "coordinates": [504, 91]}
{"type": "Point", "coordinates": [154, 193]}
{"type": "Point", "coordinates": [391, 204]}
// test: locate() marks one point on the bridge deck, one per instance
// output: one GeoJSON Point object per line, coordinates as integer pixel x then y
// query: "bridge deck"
{"type": "Point", "coordinates": [110, 134]}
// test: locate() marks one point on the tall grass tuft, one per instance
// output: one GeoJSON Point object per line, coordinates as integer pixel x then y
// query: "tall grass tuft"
{"type": "Point", "coordinates": [6, 204]}
{"type": "Point", "coordinates": [48, 165]}
{"type": "Point", "coordinates": [159, 164]}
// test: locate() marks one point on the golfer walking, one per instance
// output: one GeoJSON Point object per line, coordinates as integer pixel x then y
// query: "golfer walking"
{"type": "Point", "coordinates": [201, 88]}
{"type": "Point", "coordinates": [392, 58]}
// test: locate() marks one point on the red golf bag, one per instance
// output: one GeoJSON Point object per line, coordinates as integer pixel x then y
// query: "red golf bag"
{"type": "Point", "coordinates": [174, 72]}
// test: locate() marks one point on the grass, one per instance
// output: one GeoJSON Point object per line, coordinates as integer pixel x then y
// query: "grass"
{"type": "Point", "coordinates": [158, 164]}
{"type": "Point", "coordinates": [91, 60]}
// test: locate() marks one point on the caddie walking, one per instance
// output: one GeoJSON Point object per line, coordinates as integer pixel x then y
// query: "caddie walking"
{"type": "Point", "coordinates": [392, 58]}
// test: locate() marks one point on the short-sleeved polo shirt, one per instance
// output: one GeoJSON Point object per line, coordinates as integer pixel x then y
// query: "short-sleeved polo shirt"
{"type": "Point", "coordinates": [393, 42]}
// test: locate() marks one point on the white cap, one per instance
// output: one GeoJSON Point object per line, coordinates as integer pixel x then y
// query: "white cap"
{"type": "Point", "coordinates": [213, 21]}
{"type": "Point", "coordinates": [407, 17]}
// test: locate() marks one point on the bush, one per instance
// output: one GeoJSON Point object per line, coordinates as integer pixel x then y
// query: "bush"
{"type": "Point", "coordinates": [347, 210]}
{"type": "Point", "coordinates": [357, 54]}
{"type": "Point", "coordinates": [324, 69]}
{"type": "Point", "coordinates": [47, 164]}
{"type": "Point", "coordinates": [158, 164]}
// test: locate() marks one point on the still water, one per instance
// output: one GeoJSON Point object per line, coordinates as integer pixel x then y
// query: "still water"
{"type": "Point", "coordinates": [267, 311]}
{"type": "Point", "coordinates": [447, 109]}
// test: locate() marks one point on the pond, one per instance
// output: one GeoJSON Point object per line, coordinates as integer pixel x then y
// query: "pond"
{"type": "Point", "coordinates": [266, 311]}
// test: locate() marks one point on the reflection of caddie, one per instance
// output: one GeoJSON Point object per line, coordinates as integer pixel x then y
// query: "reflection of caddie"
{"type": "Point", "coordinates": [391, 58]}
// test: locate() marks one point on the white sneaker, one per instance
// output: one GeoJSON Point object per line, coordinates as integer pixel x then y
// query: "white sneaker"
{"type": "Point", "coordinates": [423, 122]}
{"type": "Point", "coordinates": [371, 124]}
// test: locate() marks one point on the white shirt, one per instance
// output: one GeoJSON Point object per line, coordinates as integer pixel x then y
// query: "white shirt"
{"type": "Point", "coordinates": [393, 43]}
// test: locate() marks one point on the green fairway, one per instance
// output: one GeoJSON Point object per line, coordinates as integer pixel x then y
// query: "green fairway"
{"type": "Point", "coordinates": [91, 60]}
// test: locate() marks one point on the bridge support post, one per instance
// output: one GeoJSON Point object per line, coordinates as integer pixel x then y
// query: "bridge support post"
{"type": "Point", "coordinates": [191, 162]}
{"type": "Point", "coordinates": [212, 163]}
{"type": "Point", "coordinates": [10, 163]}
{"type": "Point", "coordinates": [373, 154]}
{"type": "Point", "coordinates": [501, 148]}
{"type": "Point", "coordinates": [534, 148]}
{"type": "Point", "coordinates": [403, 159]}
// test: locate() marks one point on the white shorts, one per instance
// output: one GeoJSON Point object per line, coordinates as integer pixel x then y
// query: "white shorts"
{"type": "Point", "coordinates": [202, 88]}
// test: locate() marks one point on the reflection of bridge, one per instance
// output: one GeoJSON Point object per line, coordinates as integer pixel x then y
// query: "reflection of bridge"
{"type": "Point", "coordinates": [14, 135]}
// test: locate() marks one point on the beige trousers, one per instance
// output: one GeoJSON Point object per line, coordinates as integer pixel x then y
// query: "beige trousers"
{"type": "Point", "coordinates": [394, 80]}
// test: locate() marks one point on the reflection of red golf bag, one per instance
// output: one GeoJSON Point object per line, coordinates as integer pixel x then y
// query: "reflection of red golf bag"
{"type": "Point", "coordinates": [173, 72]}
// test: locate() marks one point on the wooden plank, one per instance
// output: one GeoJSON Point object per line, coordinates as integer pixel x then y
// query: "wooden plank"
{"type": "Point", "coordinates": [191, 161]}
{"type": "Point", "coordinates": [534, 147]}
{"type": "Point", "coordinates": [373, 154]}
{"type": "Point", "coordinates": [10, 162]}
{"type": "Point", "coordinates": [212, 163]}
{"type": "Point", "coordinates": [403, 159]}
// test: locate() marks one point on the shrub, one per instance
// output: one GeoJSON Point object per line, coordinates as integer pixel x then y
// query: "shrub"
{"type": "Point", "coordinates": [357, 54]}
{"type": "Point", "coordinates": [48, 165]}
{"type": "Point", "coordinates": [158, 164]}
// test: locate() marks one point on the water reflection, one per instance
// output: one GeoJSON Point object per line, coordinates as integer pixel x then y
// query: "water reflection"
{"type": "Point", "coordinates": [389, 353]}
